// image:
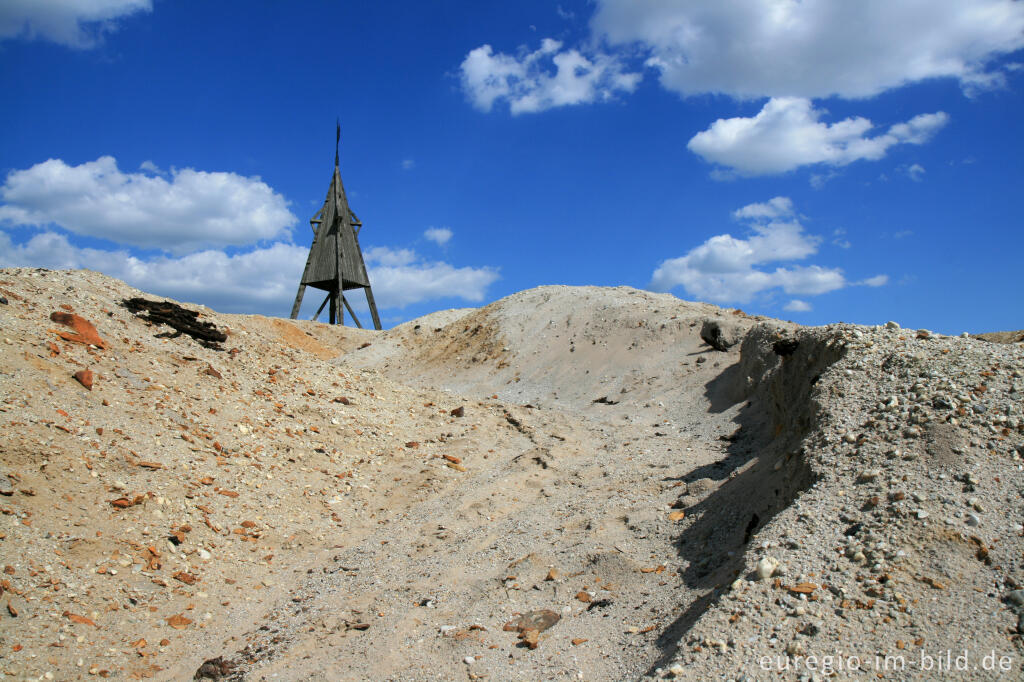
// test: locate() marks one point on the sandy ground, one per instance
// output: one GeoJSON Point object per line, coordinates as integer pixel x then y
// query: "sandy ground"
{"type": "Point", "coordinates": [326, 503]}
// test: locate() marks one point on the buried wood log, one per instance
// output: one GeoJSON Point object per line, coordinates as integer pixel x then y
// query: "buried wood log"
{"type": "Point", "coordinates": [182, 320]}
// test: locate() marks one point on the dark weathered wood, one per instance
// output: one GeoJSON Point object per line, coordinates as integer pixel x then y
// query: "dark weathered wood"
{"type": "Point", "coordinates": [335, 262]}
{"type": "Point", "coordinates": [298, 298]}
{"type": "Point", "coordinates": [373, 308]}
{"type": "Point", "coordinates": [350, 311]}
{"type": "Point", "coordinates": [182, 320]}
{"type": "Point", "coordinates": [321, 308]}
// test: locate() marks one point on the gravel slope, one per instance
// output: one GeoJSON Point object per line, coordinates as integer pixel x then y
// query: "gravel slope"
{"type": "Point", "coordinates": [330, 503]}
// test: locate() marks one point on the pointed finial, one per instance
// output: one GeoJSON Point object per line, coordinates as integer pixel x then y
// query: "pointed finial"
{"type": "Point", "coordinates": [337, 141]}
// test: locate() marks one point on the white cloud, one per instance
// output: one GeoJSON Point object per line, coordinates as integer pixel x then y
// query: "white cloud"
{"type": "Point", "coordinates": [776, 207]}
{"type": "Point", "coordinates": [797, 306]}
{"type": "Point", "coordinates": [787, 134]}
{"type": "Point", "coordinates": [814, 48]}
{"type": "Point", "coordinates": [75, 23]}
{"type": "Point", "coordinates": [724, 268]}
{"type": "Point", "coordinates": [191, 211]}
{"type": "Point", "coordinates": [876, 281]}
{"type": "Point", "coordinates": [438, 235]}
{"type": "Point", "coordinates": [818, 180]}
{"type": "Point", "coordinates": [839, 238]}
{"type": "Point", "coordinates": [546, 78]}
{"type": "Point", "coordinates": [263, 280]}
{"type": "Point", "coordinates": [408, 164]}
{"type": "Point", "coordinates": [401, 278]}
{"type": "Point", "coordinates": [916, 172]}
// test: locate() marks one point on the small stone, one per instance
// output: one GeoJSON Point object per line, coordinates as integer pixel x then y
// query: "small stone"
{"type": "Point", "coordinates": [868, 475]}
{"type": "Point", "coordinates": [796, 648]}
{"type": "Point", "coordinates": [766, 567]}
{"type": "Point", "coordinates": [677, 670]}
{"type": "Point", "coordinates": [720, 335]}
{"type": "Point", "coordinates": [84, 377]}
{"type": "Point", "coordinates": [892, 325]}
{"type": "Point", "coordinates": [1015, 597]}
{"type": "Point", "coordinates": [539, 620]}
{"type": "Point", "coordinates": [921, 514]}
{"type": "Point", "coordinates": [973, 520]}
{"type": "Point", "coordinates": [530, 637]}
{"type": "Point", "coordinates": [469, 660]}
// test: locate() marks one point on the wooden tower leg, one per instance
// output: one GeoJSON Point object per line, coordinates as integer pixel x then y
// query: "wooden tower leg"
{"type": "Point", "coordinates": [298, 301]}
{"type": "Point", "coordinates": [321, 308]}
{"type": "Point", "coordinates": [334, 308]}
{"type": "Point", "coordinates": [373, 308]}
{"type": "Point", "coordinates": [350, 311]}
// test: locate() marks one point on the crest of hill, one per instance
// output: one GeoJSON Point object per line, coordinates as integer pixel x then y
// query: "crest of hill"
{"type": "Point", "coordinates": [302, 497]}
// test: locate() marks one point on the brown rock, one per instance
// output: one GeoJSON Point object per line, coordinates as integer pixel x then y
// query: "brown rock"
{"type": "Point", "coordinates": [539, 620]}
{"type": "Point", "coordinates": [530, 637]}
{"type": "Point", "coordinates": [187, 578]}
{"type": "Point", "coordinates": [84, 332]}
{"type": "Point", "coordinates": [178, 621]}
{"type": "Point", "coordinates": [210, 371]}
{"type": "Point", "coordinates": [84, 377]}
{"type": "Point", "coordinates": [459, 411]}
{"type": "Point", "coordinates": [213, 669]}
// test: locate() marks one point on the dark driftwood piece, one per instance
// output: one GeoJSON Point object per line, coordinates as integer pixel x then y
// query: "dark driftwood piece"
{"type": "Point", "coordinates": [335, 262]}
{"type": "Point", "coordinates": [182, 320]}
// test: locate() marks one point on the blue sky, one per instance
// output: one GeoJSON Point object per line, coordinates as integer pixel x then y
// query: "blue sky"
{"type": "Point", "coordinates": [816, 161]}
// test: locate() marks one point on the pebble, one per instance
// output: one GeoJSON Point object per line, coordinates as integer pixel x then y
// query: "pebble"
{"type": "Point", "coordinates": [766, 567]}
{"type": "Point", "coordinates": [868, 475]}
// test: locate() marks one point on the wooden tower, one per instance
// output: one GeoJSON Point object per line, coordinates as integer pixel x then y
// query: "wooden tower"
{"type": "Point", "coordinates": [335, 263]}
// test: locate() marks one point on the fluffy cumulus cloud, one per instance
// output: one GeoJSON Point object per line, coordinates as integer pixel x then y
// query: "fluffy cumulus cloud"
{"type": "Point", "coordinates": [814, 48]}
{"type": "Point", "coordinates": [75, 23]}
{"type": "Point", "coordinates": [400, 277]}
{"type": "Point", "coordinates": [797, 306]}
{"type": "Point", "coordinates": [262, 280]}
{"type": "Point", "coordinates": [189, 211]}
{"type": "Point", "coordinates": [438, 235]}
{"type": "Point", "coordinates": [787, 133]}
{"type": "Point", "coordinates": [725, 269]}
{"type": "Point", "coordinates": [187, 215]}
{"type": "Point", "coordinates": [546, 78]}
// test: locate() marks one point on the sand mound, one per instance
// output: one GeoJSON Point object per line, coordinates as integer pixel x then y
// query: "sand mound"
{"type": "Point", "coordinates": [322, 503]}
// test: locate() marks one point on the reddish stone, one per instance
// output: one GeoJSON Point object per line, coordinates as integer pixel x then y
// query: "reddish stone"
{"type": "Point", "coordinates": [85, 378]}
{"type": "Point", "coordinates": [84, 331]}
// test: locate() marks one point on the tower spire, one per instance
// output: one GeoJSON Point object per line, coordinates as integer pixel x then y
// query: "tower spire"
{"type": "Point", "coordinates": [337, 141]}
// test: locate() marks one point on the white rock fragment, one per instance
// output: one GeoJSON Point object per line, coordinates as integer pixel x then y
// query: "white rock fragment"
{"type": "Point", "coordinates": [766, 567]}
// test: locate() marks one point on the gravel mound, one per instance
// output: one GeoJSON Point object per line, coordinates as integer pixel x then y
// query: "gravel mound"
{"type": "Point", "coordinates": [320, 503]}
